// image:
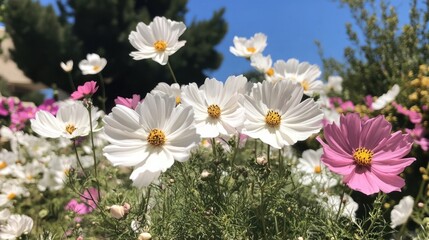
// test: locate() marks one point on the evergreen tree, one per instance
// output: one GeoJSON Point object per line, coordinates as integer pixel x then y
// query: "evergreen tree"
{"type": "Point", "coordinates": [43, 39]}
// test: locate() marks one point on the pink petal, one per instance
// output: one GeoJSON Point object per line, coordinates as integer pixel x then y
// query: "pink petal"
{"type": "Point", "coordinates": [361, 180]}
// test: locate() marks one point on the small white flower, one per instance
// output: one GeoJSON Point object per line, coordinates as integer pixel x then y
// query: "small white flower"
{"type": "Point", "coordinates": [244, 47]}
{"type": "Point", "coordinates": [70, 122]}
{"type": "Point", "coordinates": [150, 142]}
{"type": "Point", "coordinates": [302, 73]}
{"type": "Point", "coordinates": [16, 226]}
{"type": "Point", "coordinates": [263, 65]}
{"type": "Point", "coordinates": [314, 170]}
{"type": "Point", "coordinates": [348, 206]}
{"type": "Point", "coordinates": [158, 40]}
{"type": "Point", "coordinates": [335, 83]}
{"type": "Point", "coordinates": [4, 215]}
{"type": "Point", "coordinates": [68, 66]}
{"type": "Point", "coordinates": [386, 98]}
{"type": "Point", "coordinates": [276, 115]}
{"type": "Point", "coordinates": [172, 90]}
{"type": "Point", "coordinates": [10, 190]}
{"type": "Point", "coordinates": [216, 105]}
{"type": "Point", "coordinates": [402, 211]}
{"type": "Point", "coordinates": [93, 64]}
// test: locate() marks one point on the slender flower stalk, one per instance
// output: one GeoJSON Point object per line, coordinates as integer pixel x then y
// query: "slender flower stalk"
{"type": "Point", "coordinates": [103, 92]}
{"type": "Point", "coordinates": [172, 72]}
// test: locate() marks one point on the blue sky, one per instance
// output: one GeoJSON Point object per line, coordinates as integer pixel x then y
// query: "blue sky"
{"type": "Point", "coordinates": [292, 26]}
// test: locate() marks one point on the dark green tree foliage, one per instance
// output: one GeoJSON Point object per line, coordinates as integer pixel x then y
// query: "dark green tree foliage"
{"type": "Point", "coordinates": [382, 50]}
{"type": "Point", "coordinates": [43, 39]}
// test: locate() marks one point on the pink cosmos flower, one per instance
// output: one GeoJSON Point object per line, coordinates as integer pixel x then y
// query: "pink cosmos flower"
{"type": "Point", "coordinates": [418, 134]}
{"type": "Point", "coordinates": [366, 153]}
{"type": "Point", "coordinates": [129, 102]}
{"type": "Point", "coordinates": [86, 90]}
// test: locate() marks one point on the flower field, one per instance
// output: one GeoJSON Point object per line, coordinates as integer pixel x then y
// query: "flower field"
{"type": "Point", "coordinates": [287, 157]}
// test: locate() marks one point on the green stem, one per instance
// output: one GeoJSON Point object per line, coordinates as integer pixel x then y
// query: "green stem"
{"type": "Point", "coordinates": [237, 144]}
{"type": "Point", "coordinates": [268, 155]}
{"type": "Point", "coordinates": [71, 81]}
{"type": "Point", "coordinates": [91, 134]}
{"type": "Point", "coordinates": [78, 159]}
{"type": "Point", "coordinates": [214, 148]}
{"type": "Point", "coordinates": [172, 73]}
{"type": "Point", "coordinates": [103, 92]}
{"type": "Point", "coordinates": [341, 203]}
{"type": "Point", "coordinates": [262, 211]}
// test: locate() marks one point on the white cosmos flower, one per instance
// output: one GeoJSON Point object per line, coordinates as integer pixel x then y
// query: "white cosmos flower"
{"type": "Point", "coordinates": [276, 115]}
{"type": "Point", "coordinates": [216, 105]}
{"type": "Point", "coordinates": [303, 73]}
{"type": "Point", "coordinates": [335, 84]}
{"type": "Point", "coordinates": [10, 190]}
{"type": "Point", "coordinates": [314, 170]}
{"type": "Point", "coordinates": [262, 64]}
{"type": "Point", "coordinates": [348, 206]}
{"type": "Point", "coordinates": [244, 47]}
{"type": "Point", "coordinates": [93, 64]}
{"type": "Point", "coordinates": [172, 90]}
{"type": "Point", "coordinates": [386, 98]}
{"type": "Point", "coordinates": [151, 137]}
{"type": "Point", "coordinates": [16, 226]}
{"type": "Point", "coordinates": [402, 211]}
{"type": "Point", "coordinates": [68, 66]}
{"type": "Point", "coordinates": [158, 40]}
{"type": "Point", "coordinates": [71, 121]}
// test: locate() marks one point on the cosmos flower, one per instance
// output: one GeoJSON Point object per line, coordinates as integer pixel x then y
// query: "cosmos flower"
{"type": "Point", "coordinates": [276, 115]}
{"type": "Point", "coordinates": [348, 206]}
{"type": "Point", "coordinates": [70, 122]}
{"type": "Point", "coordinates": [366, 153]}
{"type": "Point", "coordinates": [150, 142]}
{"type": "Point", "coordinates": [173, 90]}
{"type": "Point", "coordinates": [129, 102]}
{"type": "Point", "coordinates": [244, 47]}
{"type": "Point", "coordinates": [85, 91]}
{"type": "Point", "coordinates": [93, 64]}
{"type": "Point", "coordinates": [16, 226]}
{"type": "Point", "coordinates": [263, 65]}
{"type": "Point", "coordinates": [314, 171]}
{"type": "Point", "coordinates": [386, 98]}
{"type": "Point", "coordinates": [216, 107]}
{"type": "Point", "coordinates": [302, 73]}
{"type": "Point", "coordinates": [335, 84]}
{"type": "Point", "coordinates": [68, 66]}
{"type": "Point", "coordinates": [402, 211]}
{"type": "Point", "coordinates": [158, 40]}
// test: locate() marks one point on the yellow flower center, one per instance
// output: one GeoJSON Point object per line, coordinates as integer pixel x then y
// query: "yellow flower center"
{"type": "Point", "coordinates": [214, 111]}
{"type": "Point", "coordinates": [96, 68]}
{"type": "Point", "coordinates": [317, 169]}
{"type": "Point", "coordinates": [273, 118]}
{"type": "Point", "coordinates": [67, 171]}
{"type": "Point", "coordinates": [270, 72]}
{"type": "Point", "coordinates": [160, 46]}
{"type": "Point", "coordinates": [3, 165]}
{"type": "Point", "coordinates": [178, 100]}
{"type": "Point", "coordinates": [251, 49]}
{"type": "Point", "coordinates": [11, 196]}
{"type": "Point", "coordinates": [305, 85]}
{"type": "Point", "coordinates": [29, 177]}
{"type": "Point", "coordinates": [156, 137]}
{"type": "Point", "coordinates": [70, 128]}
{"type": "Point", "coordinates": [363, 156]}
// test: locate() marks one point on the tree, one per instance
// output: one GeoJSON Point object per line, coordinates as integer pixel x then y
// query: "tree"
{"type": "Point", "coordinates": [382, 52]}
{"type": "Point", "coordinates": [43, 39]}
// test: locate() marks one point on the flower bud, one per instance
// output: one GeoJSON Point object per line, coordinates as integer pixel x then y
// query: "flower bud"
{"type": "Point", "coordinates": [127, 207]}
{"type": "Point", "coordinates": [117, 211]}
{"type": "Point", "coordinates": [145, 236]}
{"type": "Point", "coordinates": [205, 174]}
{"type": "Point", "coordinates": [261, 160]}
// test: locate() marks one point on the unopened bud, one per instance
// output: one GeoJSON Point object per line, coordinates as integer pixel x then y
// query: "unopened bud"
{"type": "Point", "coordinates": [425, 177]}
{"type": "Point", "coordinates": [117, 211]}
{"type": "Point", "coordinates": [205, 174]}
{"type": "Point", "coordinates": [145, 236]}
{"type": "Point", "coordinates": [261, 160]}
{"type": "Point", "coordinates": [127, 207]}
{"type": "Point", "coordinates": [422, 170]}
{"type": "Point", "coordinates": [79, 238]}
{"type": "Point", "coordinates": [420, 204]}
